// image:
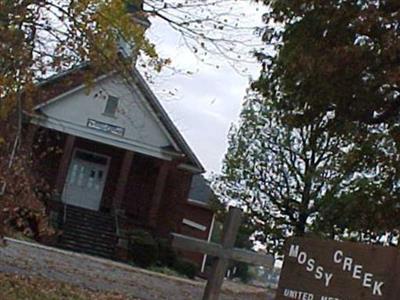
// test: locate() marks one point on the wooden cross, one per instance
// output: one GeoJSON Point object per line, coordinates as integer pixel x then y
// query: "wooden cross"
{"type": "Point", "coordinates": [223, 253]}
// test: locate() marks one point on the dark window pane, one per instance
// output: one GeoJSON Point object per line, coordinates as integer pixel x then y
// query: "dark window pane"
{"type": "Point", "coordinates": [91, 157]}
{"type": "Point", "coordinates": [111, 106]}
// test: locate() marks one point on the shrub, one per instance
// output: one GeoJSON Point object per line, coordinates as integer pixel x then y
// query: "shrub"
{"type": "Point", "coordinates": [165, 270]}
{"type": "Point", "coordinates": [167, 255]}
{"type": "Point", "coordinates": [243, 272]}
{"type": "Point", "coordinates": [143, 248]}
{"type": "Point", "coordinates": [186, 268]}
{"type": "Point", "coordinates": [158, 255]}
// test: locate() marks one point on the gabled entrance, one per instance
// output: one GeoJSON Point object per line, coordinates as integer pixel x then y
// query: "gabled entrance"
{"type": "Point", "coordinates": [86, 178]}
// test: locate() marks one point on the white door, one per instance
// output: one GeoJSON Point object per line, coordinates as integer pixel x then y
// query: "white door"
{"type": "Point", "coordinates": [86, 179]}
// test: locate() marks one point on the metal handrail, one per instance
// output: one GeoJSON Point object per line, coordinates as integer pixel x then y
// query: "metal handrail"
{"type": "Point", "coordinates": [116, 220]}
{"type": "Point", "coordinates": [117, 230]}
{"type": "Point", "coordinates": [64, 213]}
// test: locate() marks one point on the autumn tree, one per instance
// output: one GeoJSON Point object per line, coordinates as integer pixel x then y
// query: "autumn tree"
{"type": "Point", "coordinates": [333, 56]}
{"type": "Point", "coordinates": [43, 38]}
{"type": "Point", "coordinates": [305, 179]}
{"type": "Point", "coordinates": [40, 38]}
{"type": "Point", "coordinates": [341, 59]}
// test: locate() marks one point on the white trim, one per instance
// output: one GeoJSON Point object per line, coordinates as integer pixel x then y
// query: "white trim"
{"type": "Point", "coordinates": [211, 228]}
{"type": "Point", "coordinates": [104, 138]}
{"type": "Point", "coordinates": [150, 110]}
{"type": "Point", "coordinates": [200, 203]}
{"type": "Point", "coordinates": [70, 92]}
{"type": "Point", "coordinates": [138, 79]}
{"type": "Point", "coordinates": [203, 265]}
{"type": "Point", "coordinates": [133, 91]}
{"type": "Point", "coordinates": [190, 168]}
{"type": "Point", "coordinates": [152, 104]}
{"type": "Point", "coordinates": [194, 225]}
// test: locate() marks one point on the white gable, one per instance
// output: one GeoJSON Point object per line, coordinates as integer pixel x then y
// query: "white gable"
{"type": "Point", "coordinates": [134, 125]}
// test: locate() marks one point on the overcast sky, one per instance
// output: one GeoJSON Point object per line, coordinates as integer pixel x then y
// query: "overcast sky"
{"type": "Point", "coordinates": [203, 105]}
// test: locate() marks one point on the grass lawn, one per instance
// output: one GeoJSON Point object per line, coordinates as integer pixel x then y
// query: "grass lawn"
{"type": "Point", "coordinates": [15, 287]}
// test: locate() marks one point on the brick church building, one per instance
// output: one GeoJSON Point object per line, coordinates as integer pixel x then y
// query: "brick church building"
{"type": "Point", "coordinates": [122, 164]}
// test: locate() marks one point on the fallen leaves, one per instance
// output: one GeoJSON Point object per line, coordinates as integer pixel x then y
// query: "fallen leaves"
{"type": "Point", "coordinates": [16, 287]}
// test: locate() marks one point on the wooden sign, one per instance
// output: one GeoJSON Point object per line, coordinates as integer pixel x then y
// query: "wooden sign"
{"type": "Point", "coordinates": [108, 128]}
{"type": "Point", "coordinates": [223, 253]}
{"type": "Point", "coordinates": [315, 269]}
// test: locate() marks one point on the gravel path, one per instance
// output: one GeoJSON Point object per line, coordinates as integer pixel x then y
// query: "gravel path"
{"type": "Point", "coordinates": [105, 275]}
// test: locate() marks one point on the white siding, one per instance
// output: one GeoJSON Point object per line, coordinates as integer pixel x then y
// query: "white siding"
{"type": "Point", "coordinates": [141, 126]}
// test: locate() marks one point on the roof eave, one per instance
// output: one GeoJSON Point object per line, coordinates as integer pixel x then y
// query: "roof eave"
{"type": "Point", "coordinates": [195, 165]}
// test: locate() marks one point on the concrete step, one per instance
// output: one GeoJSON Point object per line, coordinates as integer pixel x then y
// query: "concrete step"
{"type": "Point", "coordinates": [105, 248]}
{"type": "Point", "coordinates": [96, 227]}
{"type": "Point", "coordinates": [100, 218]}
{"type": "Point", "coordinates": [82, 237]}
{"type": "Point", "coordinates": [90, 251]}
{"type": "Point", "coordinates": [88, 212]}
{"type": "Point", "coordinates": [89, 215]}
{"type": "Point", "coordinates": [89, 230]}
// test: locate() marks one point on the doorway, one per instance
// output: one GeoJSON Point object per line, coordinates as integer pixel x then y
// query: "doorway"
{"type": "Point", "coordinates": [86, 179]}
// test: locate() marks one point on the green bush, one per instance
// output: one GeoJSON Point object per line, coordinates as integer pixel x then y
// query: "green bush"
{"type": "Point", "coordinates": [165, 270]}
{"type": "Point", "coordinates": [158, 255]}
{"type": "Point", "coordinates": [186, 268]}
{"type": "Point", "coordinates": [143, 248]}
{"type": "Point", "coordinates": [167, 256]}
{"type": "Point", "coordinates": [243, 272]}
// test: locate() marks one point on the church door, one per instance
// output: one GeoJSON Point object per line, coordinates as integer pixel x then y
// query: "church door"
{"type": "Point", "coordinates": [86, 179]}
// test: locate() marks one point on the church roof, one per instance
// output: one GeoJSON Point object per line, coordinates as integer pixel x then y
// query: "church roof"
{"type": "Point", "coordinates": [200, 190]}
{"type": "Point", "coordinates": [71, 79]}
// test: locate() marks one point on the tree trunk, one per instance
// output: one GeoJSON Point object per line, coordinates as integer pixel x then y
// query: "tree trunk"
{"type": "Point", "coordinates": [301, 226]}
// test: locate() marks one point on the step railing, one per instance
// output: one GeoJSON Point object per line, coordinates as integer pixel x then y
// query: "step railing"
{"type": "Point", "coordinates": [64, 213]}
{"type": "Point", "coordinates": [116, 219]}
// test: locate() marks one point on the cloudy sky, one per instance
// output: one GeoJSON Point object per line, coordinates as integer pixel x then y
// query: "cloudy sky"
{"type": "Point", "coordinates": [204, 105]}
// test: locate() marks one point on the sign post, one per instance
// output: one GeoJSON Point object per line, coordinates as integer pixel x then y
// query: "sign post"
{"type": "Point", "coordinates": [329, 270]}
{"type": "Point", "coordinates": [223, 253]}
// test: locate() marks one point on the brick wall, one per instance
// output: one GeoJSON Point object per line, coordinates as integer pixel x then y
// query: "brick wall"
{"type": "Point", "coordinates": [202, 216]}
{"type": "Point", "coordinates": [172, 204]}
{"type": "Point", "coordinates": [140, 188]}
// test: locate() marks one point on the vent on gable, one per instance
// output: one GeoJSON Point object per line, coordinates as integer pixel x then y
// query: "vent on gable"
{"type": "Point", "coordinates": [111, 106]}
